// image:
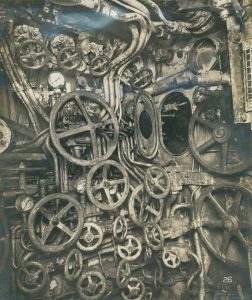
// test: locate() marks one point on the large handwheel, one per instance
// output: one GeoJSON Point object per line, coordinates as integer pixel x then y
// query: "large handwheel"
{"type": "Point", "coordinates": [91, 285]}
{"type": "Point", "coordinates": [131, 249]}
{"type": "Point", "coordinates": [157, 182]}
{"type": "Point", "coordinates": [216, 142]}
{"type": "Point", "coordinates": [55, 223]}
{"type": "Point", "coordinates": [89, 121]}
{"type": "Point", "coordinates": [90, 238]}
{"type": "Point", "coordinates": [32, 277]}
{"type": "Point", "coordinates": [154, 237]}
{"type": "Point", "coordinates": [69, 58]}
{"type": "Point", "coordinates": [224, 212]}
{"type": "Point", "coordinates": [143, 208]}
{"type": "Point", "coordinates": [134, 290]}
{"type": "Point", "coordinates": [32, 54]}
{"type": "Point", "coordinates": [107, 185]}
{"type": "Point", "coordinates": [73, 265]}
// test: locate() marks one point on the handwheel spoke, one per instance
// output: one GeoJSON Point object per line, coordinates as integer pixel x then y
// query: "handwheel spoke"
{"type": "Point", "coordinates": [46, 233]}
{"type": "Point", "coordinates": [83, 109]}
{"type": "Point", "coordinates": [159, 186]}
{"type": "Point", "coordinates": [117, 181]}
{"type": "Point", "coordinates": [46, 213]}
{"type": "Point", "coordinates": [206, 145]}
{"type": "Point", "coordinates": [241, 238]}
{"type": "Point", "coordinates": [71, 132]}
{"type": "Point", "coordinates": [245, 225]}
{"type": "Point", "coordinates": [224, 155]}
{"type": "Point", "coordinates": [110, 200]}
{"type": "Point", "coordinates": [225, 242]}
{"type": "Point", "coordinates": [97, 186]}
{"type": "Point", "coordinates": [94, 144]}
{"type": "Point", "coordinates": [152, 210]}
{"type": "Point", "coordinates": [219, 208]}
{"type": "Point", "coordinates": [64, 210]}
{"type": "Point", "coordinates": [64, 228]}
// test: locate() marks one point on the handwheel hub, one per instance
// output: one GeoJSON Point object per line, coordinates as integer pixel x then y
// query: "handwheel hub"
{"type": "Point", "coordinates": [55, 220]}
{"type": "Point", "coordinates": [89, 237]}
{"type": "Point", "coordinates": [222, 134]}
{"type": "Point", "coordinates": [150, 236]}
{"type": "Point", "coordinates": [229, 223]}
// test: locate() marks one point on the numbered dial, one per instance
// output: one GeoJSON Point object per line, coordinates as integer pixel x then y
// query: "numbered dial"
{"type": "Point", "coordinates": [56, 80]}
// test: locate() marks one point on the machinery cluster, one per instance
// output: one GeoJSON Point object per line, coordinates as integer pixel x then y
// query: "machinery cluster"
{"type": "Point", "coordinates": [125, 149]}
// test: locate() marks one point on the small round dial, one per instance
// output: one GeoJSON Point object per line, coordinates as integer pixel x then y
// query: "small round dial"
{"type": "Point", "coordinates": [56, 80]}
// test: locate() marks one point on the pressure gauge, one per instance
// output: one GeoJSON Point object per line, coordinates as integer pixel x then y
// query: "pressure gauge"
{"type": "Point", "coordinates": [5, 136]}
{"type": "Point", "coordinates": [56, 80]}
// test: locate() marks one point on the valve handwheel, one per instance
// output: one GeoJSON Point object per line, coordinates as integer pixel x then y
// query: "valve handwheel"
{"type": "Point", "coordinates": [154, 237]}
{"type": "Point", "coordinates": [100, 65]}
{"type": "Point", "coordinates": [170, 259]}
{"type": "Point", "coordinates": [143, 208]}
{"type": "Point", "coordinates": [120, 229]}
{"type": "Point", "coordinates": [224, 214]}
{"type": "Point", "coordinates": [157, 182]}
{"type": "Point", "coordinates": [123, 273]}
{"type": "Point", "coordinates": [141, 79]}
{"type": "Point", "coordinates": [226, 147]}
{"type": "Point", "coordinates": [32, 54]}
{"type": "Point", "coordinates": [69, 58]}
{"type": "Point", "coordinates": [94, 119]}
{"type": "Point", "coordinates": [73, 265]}
{"type": "Point", "coordinates": [32, 277]}
{"type": "Point", "coordinates": [57, 215]}
{"type": "Point", "coordinates": [135, 290]}
{"type": "Point", "coordinates": [90, 238]}
{"type": "Point", "coordinates": [91, 285]}
{"type": "Point", "coordinates": [131, 249]}
{"type": "Point", "coordinates": [107, 185]}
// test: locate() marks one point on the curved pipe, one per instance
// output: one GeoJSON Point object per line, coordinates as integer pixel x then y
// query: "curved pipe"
{"type": "Point", "coordinates": [188, 80]}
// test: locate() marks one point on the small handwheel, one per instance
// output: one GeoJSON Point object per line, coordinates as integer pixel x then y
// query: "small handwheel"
{"type": "Point", "coordinates": [32, 277]}
{"type": "Point", "coordinates": [32, 54]}
{"type": "Point", "coordinates": [73, 265]}
{"type": "Point", "coordinates": [131, 249]}
{"type": "Point", "coordinates": [100, 65]}
{"type": "Point", "coordinates": [143, 208]}
{"type": "Point", "coordinates": [154, 237]}
{"type": "Point", "coordinates": [107, 185]}
{"type": "Point", "coordinates": [120, 229]}
{"type": "Point", "coordinates": [91, 285]}
{"type": "Point", "coordinates": [170, 259]}
{"type": "Point", "coordinates": [224, 211]}
{"type": "Point", "coordinates": [141, 79]}
{"type": "Point", "coordinates": [123, 273]}
{"type": "Point", "coordinates": [55, 223]}
{"type": "Point", "coordinates": [226, 147]}
{"type": "Point", "coordinates": [90, 238]}
{"type": "Point", "coordinates": [135, 290]}
{"type": "Point", "coordinates": [69, 58]}
{"type": "Point", "coordinates": [89, 124]}
{"type": "Point", "coordinates": [157, 182]}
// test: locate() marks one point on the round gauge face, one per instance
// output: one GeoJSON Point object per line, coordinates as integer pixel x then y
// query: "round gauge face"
{"type": "Point", "coordinates": [5, 136]}
{"type": "Point", "coordinates": [56, 80]}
